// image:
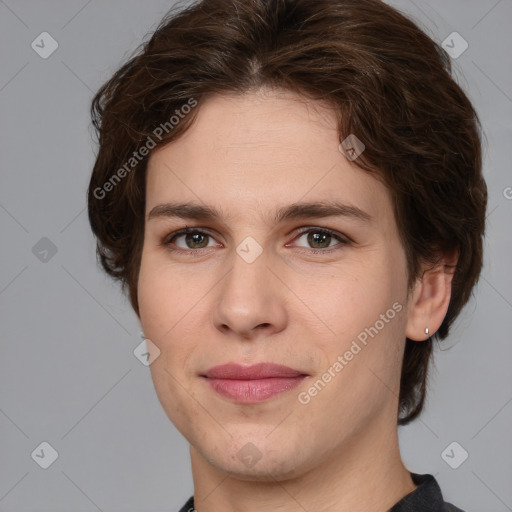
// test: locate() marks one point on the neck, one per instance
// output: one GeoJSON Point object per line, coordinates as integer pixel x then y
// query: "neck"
{"type": "Point", "coordinates": [365, 473]}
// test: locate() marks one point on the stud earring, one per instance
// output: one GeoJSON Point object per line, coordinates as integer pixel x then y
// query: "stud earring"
{"type": "Point", "coordinates": [141, 334]}
{"type": "Point", "coordinates": [427, 331]}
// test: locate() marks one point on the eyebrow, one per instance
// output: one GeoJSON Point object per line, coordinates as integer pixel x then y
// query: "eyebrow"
{"type": "Point", "coordinates": [293, 211]}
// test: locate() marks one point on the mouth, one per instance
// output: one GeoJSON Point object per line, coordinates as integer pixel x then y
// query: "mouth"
{"type": "Point", "coordinates": [252, 384]}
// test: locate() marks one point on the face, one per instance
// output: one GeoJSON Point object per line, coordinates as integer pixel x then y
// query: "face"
{"type": "Point", "coordinates": [323, 293]}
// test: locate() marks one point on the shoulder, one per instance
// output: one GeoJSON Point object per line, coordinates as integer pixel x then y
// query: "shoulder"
{"type": "Point", "coordinates": [448, 507]}
{"type": "Point", "coordinates": [189, 505]}
{"type": "Point", "coordinates": [427, 497]}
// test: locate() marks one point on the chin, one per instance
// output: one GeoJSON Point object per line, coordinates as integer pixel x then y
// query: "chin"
{"type": "Point", "coordinates": [260, 457]}
{"type": "Point", "coordinates": [279, 468]}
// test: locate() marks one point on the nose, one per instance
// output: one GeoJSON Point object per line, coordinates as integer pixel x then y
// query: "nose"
{"type": "Point", "coordinates": [250, 300]}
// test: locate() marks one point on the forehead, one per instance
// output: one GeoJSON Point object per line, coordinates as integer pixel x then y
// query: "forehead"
{"type": "Point", "coordinates": [258, 151]}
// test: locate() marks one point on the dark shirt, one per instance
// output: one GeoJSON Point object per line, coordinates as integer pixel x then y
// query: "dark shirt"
{"type": "Point", "coordinates": [426, 497]}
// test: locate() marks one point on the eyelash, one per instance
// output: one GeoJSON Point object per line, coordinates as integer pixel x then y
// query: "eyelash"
{"type": "Point", "coordinates": [344, 240]}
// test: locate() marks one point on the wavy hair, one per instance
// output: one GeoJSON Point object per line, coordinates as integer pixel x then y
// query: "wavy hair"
{"type": "Point", "coordinates": [387, 81]}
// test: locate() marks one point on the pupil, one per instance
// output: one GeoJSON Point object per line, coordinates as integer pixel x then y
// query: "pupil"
{"type": "Point", "coordinates": [316, 236]}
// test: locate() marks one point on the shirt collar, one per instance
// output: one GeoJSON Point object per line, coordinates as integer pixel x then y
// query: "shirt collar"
{"type": "Point", "coordinates": [426, 497]}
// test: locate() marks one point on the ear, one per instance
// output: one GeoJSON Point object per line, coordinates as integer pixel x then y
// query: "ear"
{"type": "Point", "coordinates": [430, 298]}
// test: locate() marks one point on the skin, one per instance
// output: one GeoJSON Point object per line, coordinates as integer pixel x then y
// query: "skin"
{"type": "Point", "coordinates": [246, 155]}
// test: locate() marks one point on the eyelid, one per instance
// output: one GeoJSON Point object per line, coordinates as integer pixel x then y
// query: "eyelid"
{"type": "Point", "coordinates": [336, 234]}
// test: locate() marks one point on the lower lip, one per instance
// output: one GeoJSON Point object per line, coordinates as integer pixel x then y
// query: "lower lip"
{"type": "Point", "coordinates": [254, 391]}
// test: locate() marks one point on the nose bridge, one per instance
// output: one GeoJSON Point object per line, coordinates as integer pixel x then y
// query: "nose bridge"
{"type": "Point", "coordinates": [248, 278]}
{"type": "Point", "coordinates": [248, 296]}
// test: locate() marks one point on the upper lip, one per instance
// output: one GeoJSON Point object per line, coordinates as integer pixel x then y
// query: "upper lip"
{"type": "Point", "coordinates": [256, 371]}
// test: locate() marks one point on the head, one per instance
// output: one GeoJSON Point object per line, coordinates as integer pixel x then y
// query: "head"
{"type": "Point", "coordinates": [239, 111]}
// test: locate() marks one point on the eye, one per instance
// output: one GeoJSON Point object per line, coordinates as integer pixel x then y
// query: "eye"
{"type": "Point", "coordinates": [194, 239]}
{"type": "Point", "coordinates": [319, 239]}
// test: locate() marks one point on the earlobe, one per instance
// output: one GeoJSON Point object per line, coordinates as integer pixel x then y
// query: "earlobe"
{"type": "Point", "coordinates": [429, 300]}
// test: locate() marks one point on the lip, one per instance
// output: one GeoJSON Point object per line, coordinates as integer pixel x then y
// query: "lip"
{"type": "Point", "coordinates": [252, 384]}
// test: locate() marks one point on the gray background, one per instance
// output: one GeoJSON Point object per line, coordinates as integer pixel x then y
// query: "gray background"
{"type": "Point", "coordinates": [68, 375]}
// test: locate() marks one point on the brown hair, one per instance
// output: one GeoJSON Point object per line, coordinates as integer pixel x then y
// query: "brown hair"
{"type": "Point", "coordinates": [389, 84]}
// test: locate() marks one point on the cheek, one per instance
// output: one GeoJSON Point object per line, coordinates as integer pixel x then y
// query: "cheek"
{"type": "Point", "coordinates": [171, 310]}
{"type": "Point", "coordinates": [163, 307]}
{"type": "Point", "coordinates": [363, 318]}
{"type": "Point", "coordinates": [163, 297]}
{"type": "Point", "coordinates": [360, 381]}
{"type": "Point", "coordinates": [350, 302]}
